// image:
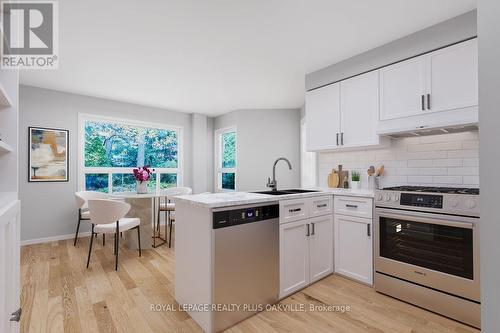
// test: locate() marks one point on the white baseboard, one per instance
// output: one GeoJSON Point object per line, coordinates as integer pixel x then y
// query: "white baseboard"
{"type": "Point", "coordinates": [53, 238]}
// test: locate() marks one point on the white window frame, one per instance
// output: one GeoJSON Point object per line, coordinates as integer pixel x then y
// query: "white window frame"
{"type": "Point", "coordinates": [219, 170]}
{"type": "Point", "coordinates": [83, 170]}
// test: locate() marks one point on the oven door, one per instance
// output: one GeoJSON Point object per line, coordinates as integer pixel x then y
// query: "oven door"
{"type": "Point", "coordinates": [434, 250]}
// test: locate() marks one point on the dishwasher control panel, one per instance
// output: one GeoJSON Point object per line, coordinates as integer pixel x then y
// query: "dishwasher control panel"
{"type": "Point", "coordinates": [238, 216]}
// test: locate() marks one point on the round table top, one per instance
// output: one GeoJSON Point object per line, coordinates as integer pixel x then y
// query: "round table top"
{"type": "Point", "coordinates": [135, 195]}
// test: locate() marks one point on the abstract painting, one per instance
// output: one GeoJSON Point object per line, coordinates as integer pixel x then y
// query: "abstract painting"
{"type": "Point", "coordinates": [48, 155]}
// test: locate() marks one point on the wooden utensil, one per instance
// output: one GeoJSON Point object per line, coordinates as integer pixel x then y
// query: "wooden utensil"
{"type": "Point", "coordinates": [333, 179]}
{"type": "Point", "coordinates": [371, 170]}
{"type": "Point", "coordinates": [380, 171]}
{"type": "Point", "coordinates": [341, 177]}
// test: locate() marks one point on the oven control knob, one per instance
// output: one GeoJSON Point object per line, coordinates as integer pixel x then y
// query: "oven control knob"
{"type": "Point", "coordinates": [380, 197]}
{"type": "Point", "coordinates": [454, 202]}
{"type": "Point", "coordinates": [388, 197]}
{"type": "Point", "coordinates": [471, 203]}
{"type": "Point", "coordinates": [396, 197]}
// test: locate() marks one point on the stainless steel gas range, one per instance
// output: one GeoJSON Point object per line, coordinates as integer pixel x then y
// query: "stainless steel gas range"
{"type": "Point", "coordinates": [426, 249]}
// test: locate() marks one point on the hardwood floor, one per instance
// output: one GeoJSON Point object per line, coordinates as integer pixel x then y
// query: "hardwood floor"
{"type": "Point", "coordinates": [60, 295]}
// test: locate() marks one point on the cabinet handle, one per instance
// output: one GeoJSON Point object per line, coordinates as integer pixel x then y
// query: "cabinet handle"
{"type": "Point", "coordinates": [351, 206]}
{"type": "Point", "coordinates": [312, 224]}
{"type": "Point", "coordinates": [428, 101]}
{"type": "Point", "coordinates": [295, 210]}
{"type": "Point", "coordinates": [16, 316]}
{"type": "Point", "coordinates": [423, 103]}
{"type": "Point", "coordinates": [321, 206]}
{"type": "Point", "coordinates": [368, 230]}
{"type": "Point", "coordinates": [308, 233]}
{"type": "Point", "coordinates": [342, 138]}
{"type": "Point", "coordinates": [337, 139]}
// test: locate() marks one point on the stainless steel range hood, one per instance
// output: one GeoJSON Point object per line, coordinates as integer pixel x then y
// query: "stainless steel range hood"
{"type": "Point", "coordinates": [425, 131]}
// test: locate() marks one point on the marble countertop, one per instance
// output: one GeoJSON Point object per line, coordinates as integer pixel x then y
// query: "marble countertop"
{"type": "Point", "coordinates": [226, 199]}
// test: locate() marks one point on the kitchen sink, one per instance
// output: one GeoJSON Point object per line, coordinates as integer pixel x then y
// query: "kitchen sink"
{"type": "Point", "coordinates": [298, 190]}
{"type": "Point", "coordinates": [285, 192]}
{"type": "Point", "coordinates": [274, 192]}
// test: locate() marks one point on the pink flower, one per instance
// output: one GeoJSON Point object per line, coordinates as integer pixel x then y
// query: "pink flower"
{"type": "Point", "coordinates": [142, 174]}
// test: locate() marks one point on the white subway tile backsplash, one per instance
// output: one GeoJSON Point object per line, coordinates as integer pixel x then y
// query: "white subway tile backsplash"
{"type": "Point", "coordinates": [447, 180]}
{"type": "Point", "coordinates": [471, 162]}
{"type": "Point", "coordinates": [470, 144]}
{"type": "Point", "coordinates": [419, 179]}
{"type": "Point", "coordinates": [439, 146]}
{"type": "Point", "coordinates": [471, 180]}
{"type": "Point", "coordinates": [465, 153]}
{"type": "Point", "coordinates": [445, 160]}
{"type": "Point", "coordinates": [420, 163]}
{"type": "Point", "coordinates": [452, 162]}
{"type": "Point", "coordinates": [465, 171]}
{"type": "Point", "coordinates": [433, 171]}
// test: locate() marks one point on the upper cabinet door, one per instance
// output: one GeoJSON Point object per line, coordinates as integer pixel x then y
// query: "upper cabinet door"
{"type": "Point", "coordinates": [323, 117]}
{"type": "Point", "coordinates": [359, 104]}
{"type": "Point", "coordinates": [453, 77]}
{"type": "Point", "coordinates": [402, 88]}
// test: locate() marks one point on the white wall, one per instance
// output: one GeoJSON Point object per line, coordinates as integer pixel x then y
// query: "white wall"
{"type": "Point", "coordinates": [263, 136]}
{"type": "Point", "coordinates": [202, 153]}
{"type": "Point", "coordinates": [489, 120]}
{"type": "Point", "coordinates": [439, 160]}
{"type": "Point", "coordinates": [448, 32]}
{"type": "Point", "coordinates": [48, 209]}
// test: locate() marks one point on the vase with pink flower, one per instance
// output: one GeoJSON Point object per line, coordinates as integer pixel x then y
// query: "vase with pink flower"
{"type": "Point", "coordinates": [142, 176]}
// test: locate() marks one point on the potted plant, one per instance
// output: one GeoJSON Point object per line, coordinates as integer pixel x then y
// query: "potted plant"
{"type": "Point", "coordinates": [142, 176]}
{"type": "Point", "coordinates": [355, 177]}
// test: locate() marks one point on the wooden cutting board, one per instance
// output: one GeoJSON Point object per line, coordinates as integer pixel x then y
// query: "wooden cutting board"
{"type": "Point", "coordinates": [333, 179]}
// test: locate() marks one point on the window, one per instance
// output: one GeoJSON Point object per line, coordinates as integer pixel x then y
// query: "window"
{"type": "Point", "coordinates": [226, 159]}
{"type": "Point", "coordinates": [308, 162]}
{"type": "Point", "coordinates": [110, 149]}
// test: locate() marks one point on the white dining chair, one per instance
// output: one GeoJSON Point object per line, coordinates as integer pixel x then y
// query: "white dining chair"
{"type": "Point", "coordinates": [108, 216]}
{"type": "Point", "coordinates": [169, 208]}
{"type": "Point", "coordinates": [81, 199]}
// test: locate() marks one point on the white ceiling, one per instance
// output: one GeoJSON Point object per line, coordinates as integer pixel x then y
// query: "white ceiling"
{"type": "Point", "coordinates": [214, 56]}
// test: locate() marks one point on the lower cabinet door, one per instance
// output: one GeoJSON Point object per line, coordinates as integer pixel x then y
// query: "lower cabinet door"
{"type": "Point", "coordinates": [353, 247]}
{"type": "Point", "coordinates": [294, 256]}
{"type": "Point", "coordinates": [320, 247]}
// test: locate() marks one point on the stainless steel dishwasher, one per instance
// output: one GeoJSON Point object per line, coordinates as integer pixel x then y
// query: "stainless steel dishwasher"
{"type": "Point", "coordinates": [246, 262]}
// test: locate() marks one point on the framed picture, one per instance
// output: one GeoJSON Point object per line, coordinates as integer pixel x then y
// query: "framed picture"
{"type": "Point", "coordinates": [48, 155]}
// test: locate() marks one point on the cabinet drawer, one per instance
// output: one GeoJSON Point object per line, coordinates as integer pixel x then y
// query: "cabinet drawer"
{"type": "Point", "coordinates": [319, 206]}
{"type": "Point", "coordinates": [353, 206]}
{"type": "Point", "coordinates": [293, 210]}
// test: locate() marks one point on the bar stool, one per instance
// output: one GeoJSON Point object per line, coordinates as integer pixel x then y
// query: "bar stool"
{"type": "Point", "coordinates": [169, 210]}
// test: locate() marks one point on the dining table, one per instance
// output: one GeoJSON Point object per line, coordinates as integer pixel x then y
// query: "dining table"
{"type": "Point", "coordinates": [142, 206]}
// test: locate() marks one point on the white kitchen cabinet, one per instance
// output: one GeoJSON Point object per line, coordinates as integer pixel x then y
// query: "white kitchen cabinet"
{"type": "Point", "coordinates": [320, 247]}
{"type": "Point", "coordinates": [402, 89]}
{"type": "Point", "coordinates": [359, 105]}
{"type": "Point", "coordinates": [353, 247]}
{"type": "Point", "coordinates": [343, 115]}
{"type": "Point", "coordinates": [453, 80]}
{"type": "Point", "coordinates": [323, 117]}
{"type": "Point", "coordinates": [306, 245]}
{"type": "Point", "coordinates": [294, 257]}
{"type": "Point", "coordinates": [435, 90]}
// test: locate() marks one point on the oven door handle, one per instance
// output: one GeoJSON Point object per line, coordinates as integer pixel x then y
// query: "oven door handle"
{"type": "Point", "coordinates": [430, 220]}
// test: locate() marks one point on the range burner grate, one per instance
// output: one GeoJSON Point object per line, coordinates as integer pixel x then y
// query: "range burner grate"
{"type": "Point", "coordinates": [430, 189]}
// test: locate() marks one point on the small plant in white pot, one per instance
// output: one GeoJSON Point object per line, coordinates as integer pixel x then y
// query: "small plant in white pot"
{"type": "Point", "coordinates": [355, 177]}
